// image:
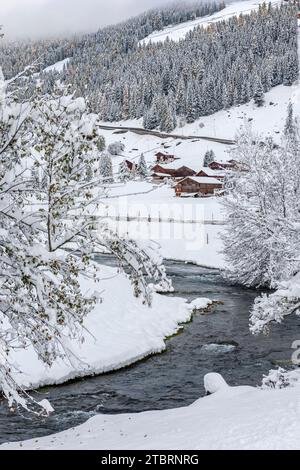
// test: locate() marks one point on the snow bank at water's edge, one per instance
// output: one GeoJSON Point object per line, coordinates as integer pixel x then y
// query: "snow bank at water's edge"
{"type": "Point", "coordinates": [231, 418]}
{"type": "Point", "coordinates": [120, 331]}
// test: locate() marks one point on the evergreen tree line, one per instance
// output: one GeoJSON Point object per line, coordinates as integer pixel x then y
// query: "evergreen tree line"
{"type": "Point", "coordinates": [229, 63]}
{"type": "Point", "coordinates": [212, 69]}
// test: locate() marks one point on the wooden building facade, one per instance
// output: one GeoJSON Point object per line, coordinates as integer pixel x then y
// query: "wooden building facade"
{"type": "Point", "coordinates": [198, 185]}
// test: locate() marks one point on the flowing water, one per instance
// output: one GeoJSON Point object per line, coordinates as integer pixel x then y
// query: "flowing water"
{"type": "Point", "coordinates": [218, 341]}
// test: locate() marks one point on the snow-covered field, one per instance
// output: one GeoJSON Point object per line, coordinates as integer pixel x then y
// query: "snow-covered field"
{"type": "Point", "coordinates": [179, 31]}
{"type": "Point", "coordinates": [231, 418]}
{"type": "Point", "coordinates": [119, 332]}
{"type": "Point", "coordinates": [183, 228]}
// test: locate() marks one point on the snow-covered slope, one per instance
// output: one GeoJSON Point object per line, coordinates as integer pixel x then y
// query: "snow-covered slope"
{"type": "Point", "coordinates": [179, 31]}
{"type": "Point", "coordinates": [200, 244]}
{"type": "Point", "coordinates": [231, 418]}
{"type": "Point", "coordinates": [58, 67]}
{"type": "Point", "coordinates": [122, 331]}
{"type": "Point", "coordinates": [268, 119]}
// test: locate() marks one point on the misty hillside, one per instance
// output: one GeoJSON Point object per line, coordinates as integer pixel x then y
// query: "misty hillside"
{"type": "Point", "coordinates": [171, 82]}
{"type": "Point", "coordinates": [120, 38]}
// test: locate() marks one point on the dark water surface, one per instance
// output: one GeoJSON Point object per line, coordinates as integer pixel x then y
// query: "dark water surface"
{"type": "Point", "coordinates": [218, 342]}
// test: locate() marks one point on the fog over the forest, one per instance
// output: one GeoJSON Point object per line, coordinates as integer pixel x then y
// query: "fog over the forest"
{"type": "Point", "coordinates": [48, 18]}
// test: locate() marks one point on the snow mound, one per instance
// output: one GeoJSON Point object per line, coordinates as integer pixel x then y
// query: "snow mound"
{"type": "Point", "coordinates": [214, 382]}
{"type": "Point", "coordinates": [199, 304]}
{"type": "Point", "coordinates": [47, 406]}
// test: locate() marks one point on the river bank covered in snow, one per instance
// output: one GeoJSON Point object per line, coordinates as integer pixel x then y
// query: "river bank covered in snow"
{"type": "Point", "coordinates": [120, 330]}
{"type": "Point", "coordinates": [236, 418]}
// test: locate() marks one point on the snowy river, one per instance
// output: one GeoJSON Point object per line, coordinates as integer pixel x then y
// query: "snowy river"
{"type": "Point", "coordinates": [219, 341]}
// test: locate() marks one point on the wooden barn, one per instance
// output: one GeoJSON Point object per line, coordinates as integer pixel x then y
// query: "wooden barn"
{"type": "Point", "coordinates": [184, 171]}
{"type": "Point", "coordinates": [159, 176]}
{"type": "Point", "coordinates": [164, 157]}
{"type": "Point", "coordinates": [230, 165]}
{"type": "Point", "coordinates": [198, 185]}
{"type": "Point", "coordinates": [166, 171]}
{"type": "Point", "coordinates": [160, 172]}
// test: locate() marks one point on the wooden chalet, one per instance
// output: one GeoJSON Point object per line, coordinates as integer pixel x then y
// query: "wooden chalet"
{"type": "Point", "coordinates": [165, 171]}
{"type": "Point", "coordinates": [164, 157]}
{"type": "Point", "coordinates": [184, 171]}
{"type": "Point", "coordinates": [230, 165]}
{"type": "Point", "coordinates": [160, 172]}
{"type": "Point", "coordinates": [198, 185]}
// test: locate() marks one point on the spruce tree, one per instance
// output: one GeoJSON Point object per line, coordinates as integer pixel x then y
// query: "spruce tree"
{"type": "Point", "coordinates": [259, 97]}
{"type": "Point", "coordinates": [106, 168]}
{"type": "Point", "coordinates": [209, 157]}
{"type": "Point", "coordinates": [124, 174]}
{"type": "Point", "coordinates": [142, 168]}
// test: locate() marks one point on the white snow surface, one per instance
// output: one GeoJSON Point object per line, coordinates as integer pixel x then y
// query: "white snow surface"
{"type": "Point", "coordinates": [122, 331]}
{"type": "Point", "coordinates": [179, 31]}
{"type": "Point", "coordinates": [200, 303]}
{"type": "Point", "coordinates": [58, 66]}
{"type": "Point", "coordinates": [231, 418]}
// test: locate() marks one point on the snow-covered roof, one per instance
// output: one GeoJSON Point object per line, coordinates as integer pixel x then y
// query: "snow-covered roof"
{"type": "Point", "coordinates": [211, 172]}
{"type": "Point", "coordinates": [202, 179]}
{"type": "Point", "coordinates": [167, 167]}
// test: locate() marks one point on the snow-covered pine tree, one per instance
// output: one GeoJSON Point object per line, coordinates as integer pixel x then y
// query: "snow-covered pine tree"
{"type": "Point", "coordinates": [106, 168]}
{"type": "Point", "coordinates": [291, 127]}
{"type": "Point", "coordinates": [291, 68]}
{"type": "Point", "coordinates": [180, 98]}
{"type": "Point", "coordinates": [167, 116]}
{"type": "Point", "coordinates": [152, 119]}
{"type": "Point", "coordinates": [259, 97]}
{"type": "Point", "coordinates": [209, 157]}
{"type": "Point", "coordinates": [124, 174]}
{"type": "Point", "coordinates": [142, 168]}
{"type": "Point", "coordinates": [125, 104]}
{"type": "Point", "coordinates": [191, 104]}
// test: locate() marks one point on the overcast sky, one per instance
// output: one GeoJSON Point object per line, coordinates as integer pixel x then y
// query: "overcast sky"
{"type": "Point", "coordinates": [44, 18]}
